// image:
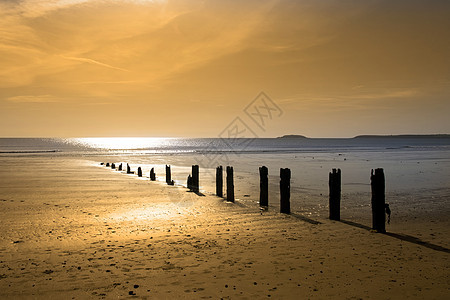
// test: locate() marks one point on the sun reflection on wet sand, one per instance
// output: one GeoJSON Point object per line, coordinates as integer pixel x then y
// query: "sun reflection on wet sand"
{"type": "Point", "coordinates": [155, 212]}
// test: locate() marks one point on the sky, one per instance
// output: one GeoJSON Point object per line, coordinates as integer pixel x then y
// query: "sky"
{"type": "Point", "coordinates": [94, 68]}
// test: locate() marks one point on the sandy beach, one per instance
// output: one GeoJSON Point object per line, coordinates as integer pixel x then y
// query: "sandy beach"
{"type": "Point", "coordinates": [74, 230]}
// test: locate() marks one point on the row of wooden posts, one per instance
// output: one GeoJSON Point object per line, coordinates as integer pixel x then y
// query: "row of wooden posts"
{"type": "Point", "coordinates": [334, 182]}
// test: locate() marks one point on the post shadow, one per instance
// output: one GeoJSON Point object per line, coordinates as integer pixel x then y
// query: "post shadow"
{"type": "Point", "coordinates": [402, 237]}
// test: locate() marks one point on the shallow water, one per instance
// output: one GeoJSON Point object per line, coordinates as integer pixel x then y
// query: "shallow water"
{"type": "Point", "coordinates": [416, 169]}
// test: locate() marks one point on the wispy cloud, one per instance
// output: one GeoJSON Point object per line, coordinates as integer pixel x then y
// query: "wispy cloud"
{"type": "Point", "coordinates": [392, 93]}
{"type": "Point", "coordinates": [94, 62]}
{"type": "Point", "coordinates": [33, 99]}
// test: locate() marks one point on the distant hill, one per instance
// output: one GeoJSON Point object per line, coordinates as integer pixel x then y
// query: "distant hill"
{"type": "Point", "coordinates": [292, 136]}
{"type": "Point", "coordinates": [404, 136]}
{"type": "Point", "coordinates": [368, 136]}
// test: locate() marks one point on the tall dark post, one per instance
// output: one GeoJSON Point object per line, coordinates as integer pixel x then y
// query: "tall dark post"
{"type": "Point", "coordinates": [285, 191]}
{"type": "Point", "coordinates": [230, 184]}
{"type": "Point", "coordinates": [152, 174]}
{"type": "Point", "coordinates": [169, 180]}
{"type": "Point", "coordinates": [139, 172]}
{"type": "Point", "coordinates": [334, 184]}
{"type": "Point", "coordinates": [378, 200]}
{"type": "Point", "coordinates": [219, 181]}
{"type": "Point", "coordinates": [113, 166]}
{"type": "Point", "coordinates": [128, 169]}
{"type": "Point", "coordinates": [263, 186]}
{"type": "Point", "coordinates": [120, 167]}
{"type": "Point", "coordinates": [195, 179]}
{"type": "Point", "coordinates": [168, 175]}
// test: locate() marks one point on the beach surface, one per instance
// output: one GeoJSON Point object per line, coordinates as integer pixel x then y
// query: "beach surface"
{"type": "Point", "coordinates": [71, 229]}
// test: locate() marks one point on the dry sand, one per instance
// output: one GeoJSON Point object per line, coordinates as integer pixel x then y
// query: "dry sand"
{"type": "Point", "coordinates": [71, 230]}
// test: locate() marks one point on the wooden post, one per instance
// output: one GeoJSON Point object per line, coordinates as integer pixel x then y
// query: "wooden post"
{"type": "Point", "coordinates": [107, 164]}
{"type": "Point", "coordinates": [285, 190]}
{"type": "Point", "coordinates": [120, 167]}
{"type": "Point", "coordinates": [189, 182]}
{"type": "Point", "coordinates": [152, 174]}
{"type": "Point", "coordinates": [169, 180]}
{"type": "Point", "coordinates": [378, 200]}
{"type": "Point", "coordinates": [334, 184]}
{"type": "Point", "coordinates": [195, 179]}
{"type": "Point", "coordinates": [139, 172]}
{"type": "Point", "coordinates": [128, 169]}
{"type": "Point", "coordinates": [263, 186]}
{"type": "Point", "coordinates": [230, 184]}
{"type": "Point", "coordinates": [219, 181]}
{"type": "Point", "coordinates": [113, 166]}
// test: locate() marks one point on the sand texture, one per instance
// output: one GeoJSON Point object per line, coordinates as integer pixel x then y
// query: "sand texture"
{"type": "Point", "coordinates": [73, 230]}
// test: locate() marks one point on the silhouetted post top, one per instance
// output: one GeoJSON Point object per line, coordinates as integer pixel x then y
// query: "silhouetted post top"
{"type": "Point", "coordinates": [139, 172]}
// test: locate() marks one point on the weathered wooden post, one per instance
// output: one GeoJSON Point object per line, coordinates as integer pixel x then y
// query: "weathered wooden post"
{"type": "Point", "coordinates": [378, 200]}
{"type": "Point", "coordinates": [169, 180]}
{"type": "Point", "coordinates": [285, 190]}
{"type": "Point", "coordinates": [195, 179]}
{"type": "Point", "coordinates": [120, 167]}
{"type": "Point", "coordinates": [219, 181]}
{"type": "Point", "coordinates": [113, 166]}
{"type": "Point", "coordinates": [128, 169]}
{"type": "Point", "coordinates": [263, 186]}
{"type": "Point", "coordinates": [152, 174]}
{"type": "Point", "coordinates": [334, 184]}
{"type": "Point", "coordinates": [139, 172]}
{"type": "Point", "coordinates": [189, 182]}
{"type": "Point", "coordinates": [230, 184]}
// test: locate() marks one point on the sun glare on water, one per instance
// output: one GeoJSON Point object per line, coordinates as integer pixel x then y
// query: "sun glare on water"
{"type": "Point", "coordinates": [123, 142]}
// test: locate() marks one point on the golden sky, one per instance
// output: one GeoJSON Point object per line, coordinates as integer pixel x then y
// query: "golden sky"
{"type": "Point", "coordinates": [74, 68]}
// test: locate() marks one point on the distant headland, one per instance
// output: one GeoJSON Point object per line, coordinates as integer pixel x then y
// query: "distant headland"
{"type": "Point", "coordinates": [404, 136]}
{"type": "Point", "coordinates": [292, 136]}
{"type": "Point", "coordinates": [399, 136]}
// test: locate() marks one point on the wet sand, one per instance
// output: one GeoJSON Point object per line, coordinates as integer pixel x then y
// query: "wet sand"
{"type": "Point", "coordinates": [72, 230]}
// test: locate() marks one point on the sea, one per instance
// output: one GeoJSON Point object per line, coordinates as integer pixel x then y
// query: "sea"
{"type": "Point", "coordinates": [416, 168]}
